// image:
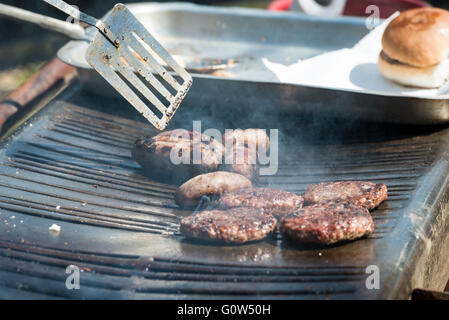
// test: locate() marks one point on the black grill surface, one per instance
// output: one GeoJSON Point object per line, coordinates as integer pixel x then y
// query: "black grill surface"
{"type": "Point", "coordinates": [71, 165]}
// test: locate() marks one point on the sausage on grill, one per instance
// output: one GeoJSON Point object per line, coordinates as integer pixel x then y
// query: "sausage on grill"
{"type": "Point", "coordinates": [238, 225]}
{"type": "Point", "coordinates": [366, 194]}
{"type": "Point", "coordinates": [154, 154]}
{"type": "Point", "coordinates": [243, 158]}
{"type": "Point", "coordinates": [241, 161]}
{"type": "Point", "coordinates": [247, 137]}
{"type": "Point", "coordinates": [328, 223]}
{"type": "Point", "coordinates": [213, 183]}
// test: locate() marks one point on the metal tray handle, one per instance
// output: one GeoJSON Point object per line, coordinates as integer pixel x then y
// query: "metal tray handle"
{"type": "Point", "coordinates": [50, 74]}
{"type": "Point", "coordinates": [421, 294]}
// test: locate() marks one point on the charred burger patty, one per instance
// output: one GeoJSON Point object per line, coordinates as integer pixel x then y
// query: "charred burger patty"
{"type": "Point", "coordinates": [237, 225]}
{"type": "Point", "coordinates": [328, 223]}
{"type": "Point", "coordinates": [275, 202]}
{"type": "Point", "coordinates": [366, 194]}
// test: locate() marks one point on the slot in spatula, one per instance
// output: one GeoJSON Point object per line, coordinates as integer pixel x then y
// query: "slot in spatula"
{"type": "Point", "coordinates": [129, 57]}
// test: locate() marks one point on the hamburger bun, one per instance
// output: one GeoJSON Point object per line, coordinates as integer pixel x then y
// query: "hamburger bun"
{"type": "Point", "coordinates": [416, 48]}
{"type": "Point", "coordinates": [427, 77]}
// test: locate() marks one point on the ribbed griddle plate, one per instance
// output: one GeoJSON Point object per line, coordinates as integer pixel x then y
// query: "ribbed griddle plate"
{"type": "Point", "coordinates": [71, 165]}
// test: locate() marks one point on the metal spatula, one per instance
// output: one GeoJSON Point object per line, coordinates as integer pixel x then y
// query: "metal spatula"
{"type": "Point", "coordinates": [124, 48]}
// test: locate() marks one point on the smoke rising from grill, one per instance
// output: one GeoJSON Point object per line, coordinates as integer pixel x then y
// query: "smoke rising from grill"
{"type": "Point", "coordinates": [257, 150]}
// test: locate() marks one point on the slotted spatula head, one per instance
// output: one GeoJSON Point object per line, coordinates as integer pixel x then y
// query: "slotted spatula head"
{"type": "Point", "coordinates": [134, 67]}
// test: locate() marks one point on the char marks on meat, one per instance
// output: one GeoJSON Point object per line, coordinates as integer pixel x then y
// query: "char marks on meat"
{"type": "Point", "coordinates": [154, 154]}
{"type": "Point", "coordinates": [366, 194]}
{"type": "Point", "coordinates": [275, 202]}
{"type": "Point", "coordinates": [328, 223]}
{"type": "Point", "coordinates": [237, 225]}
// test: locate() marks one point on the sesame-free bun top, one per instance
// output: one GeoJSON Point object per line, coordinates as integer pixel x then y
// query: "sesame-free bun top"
{"type": "Point", "coordinates": [418, 37]}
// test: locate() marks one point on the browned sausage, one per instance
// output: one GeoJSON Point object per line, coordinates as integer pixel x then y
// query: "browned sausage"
{"type": "Point", "coordinates": [249, 137]}
{"type": "Point", "coordinates": [241, 161]}
{"type": "Point", "coordinates": [214, 183]}
{"type": "Point", "coordinates": [154, 155]}
{"type": "Point", "coordinates": [248, 142]}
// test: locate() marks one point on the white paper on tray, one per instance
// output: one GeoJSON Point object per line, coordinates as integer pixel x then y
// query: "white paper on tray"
{"type": "Point", "coordinates": [348, 69]}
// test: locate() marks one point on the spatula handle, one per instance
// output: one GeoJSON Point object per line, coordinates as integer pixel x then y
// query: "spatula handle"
{"type": "Point", "coordinates": [74, 12]}
{"type": "Point", "coordinates": [68, 29]}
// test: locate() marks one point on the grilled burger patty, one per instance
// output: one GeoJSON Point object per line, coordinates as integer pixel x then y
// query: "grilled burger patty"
{"type": "Point", "coordinates": [328, 223]}
{"type": "Point", "coordinates": [275, 202]}
{"type": "Point", "coordinates": [213, 183]}
{"type": "Point", "coordinates": [154, 154]}
{"type": "Point", "coordinates": [237, 225]}
{"type": "Point", "coordinates": [366, 194]}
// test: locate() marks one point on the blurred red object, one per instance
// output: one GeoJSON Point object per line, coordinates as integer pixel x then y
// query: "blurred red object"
{"type": "Point", "coordinates": [358, 7]}
{"type": "Point", "coordinates": [280, 5]}
{"type": "Point", "coordinates": [387, 7]}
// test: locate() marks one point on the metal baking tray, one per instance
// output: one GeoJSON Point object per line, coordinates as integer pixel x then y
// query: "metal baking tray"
{"type": "Point", "coordinates": [224, 47]}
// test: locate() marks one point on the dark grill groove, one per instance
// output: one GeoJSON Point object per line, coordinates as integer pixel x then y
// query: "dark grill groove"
{"type": "Point", "coordinates": [85, 216]}
{"type": "Point", "coordinates": [96, 151]}
{"type": "Point", "coordinates": [107, 142]}
{"type": "Point", "coordinates": [81, 201]}
{"type": "Point", "coordinates": [101, 174]}
{"type": "Point", "coordinates": [185, 277]}
{"type": "Point", "coordinates": [93, 129]}
{"type": "Point", "coordinates": [91, 180]}
{"type": "Point", "coordinates": [107, 161]}
{"type": "Point", "coordinates": [154, 202]}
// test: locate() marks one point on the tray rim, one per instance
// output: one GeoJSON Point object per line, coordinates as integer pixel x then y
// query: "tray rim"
{"type": "Point", "coordinates": [66, 51]}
